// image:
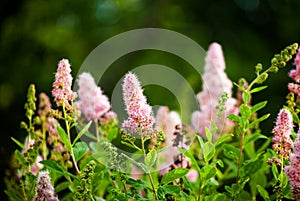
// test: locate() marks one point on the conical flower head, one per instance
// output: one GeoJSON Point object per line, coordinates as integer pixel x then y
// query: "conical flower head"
{"type": "Point", "coordinates": [215, 83]}
{"type": "Point", "coordinates": [139, 112]}
{"type": "Point", "coordinates": [93, 103]}
{"type": "Point", "coordinates": [44, 189]}
{"type": "Point", "coordinates": [61, 87]}
{"type": "Point", "coordinates": [282, 142]}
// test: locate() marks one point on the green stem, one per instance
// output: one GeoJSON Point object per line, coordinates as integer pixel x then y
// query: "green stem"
{"type": "Point", "coordinates": [240, 155]}
{"type": "Point", "coordinates": [97, 131]}
{"type": "Point", "coordinates": [149, 173]}
{"type": "Point", "coordinates": [69, 138]}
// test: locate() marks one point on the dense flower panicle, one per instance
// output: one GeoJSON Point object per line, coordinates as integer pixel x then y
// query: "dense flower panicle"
{"type": "Point", "coordinates": [61, 87]}
{"type": "Point", "coordinates": [282, 142]}
{"type": "Point", "coordinates": [293, 170]}
{"type": "Point", "coordinates": [295, 73]}
{"type": "Point", "coordinates": [139, 112]}
{"type": "Point", "coordinates": [44, 105]}
{"type": "Point", "coordinates": [44, 189]}
{"type": "Point", "coordinates": [215, 82]}
{"type": "Point", "coordinates": [92, 102]}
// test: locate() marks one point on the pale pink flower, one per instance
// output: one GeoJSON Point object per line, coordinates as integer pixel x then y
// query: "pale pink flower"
{"type": "Point", "coordinates": [295, 73]}
{"type": "Point", "coordinates": [51, 126]}
{"type": "Point", "coordinates": [293, 170]}
{"type": "Point", "coordinates": [44, 189]}
{"type": "Point", "coordinates": [192, 175]}
{"type": "Point", "coordinates": [108, 117]}
{"type": "Point", "coordinates": [215, 82]}
{"type": "Point", "coordinates": [44, 105]}
{"type": "Point", "coordinates": [35, 168]}
{"type": "Point", "coordinates": [161, 117]}
{"type": "Point", "coordinates": [139, 112]}
{"type": "Point", "coordinates": [282, 142]}
{"type": "Point", "coordinates": [294, 88]}
{"type": "Point", "coordinates": [92, 102]}
{"type": "Point", "coordinates": [61, 87]}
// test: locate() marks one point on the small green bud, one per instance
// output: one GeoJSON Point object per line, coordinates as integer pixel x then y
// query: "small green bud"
{"type": "Point", "coordinates": [258, 67]}
{"type": "Point", "coordinates": [261, 78]}
{"type": "Point", "coordinates": [273, 69]}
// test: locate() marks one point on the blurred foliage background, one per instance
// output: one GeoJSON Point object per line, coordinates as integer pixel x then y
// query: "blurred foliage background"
{"type": "Point", "coordinates": [36, 34]}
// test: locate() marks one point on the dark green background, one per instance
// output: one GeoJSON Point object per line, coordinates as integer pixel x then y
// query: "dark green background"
{"type": "Point", "coordinates": [36, 34]}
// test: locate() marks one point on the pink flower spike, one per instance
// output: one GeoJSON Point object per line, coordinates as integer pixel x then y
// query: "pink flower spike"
{"type": "Point", "coordinates": [139, 112]}
{"type": "Point", "coordinates": [161, 117]}
{"type": "Point", "coordinates": [61, 87]}
{"type": "Point", "coordinates": [295, 73]}
{"type": "Point", "coordinates": [282, 142]}
{"type": "Point", "coordinates": [92, 102]}
{"type": "Point", "coordinates": [44, 189]}
{"type": "Point", "coordinates": [215, 82]}
{"type": "Point", "coordinates": [293, 170]}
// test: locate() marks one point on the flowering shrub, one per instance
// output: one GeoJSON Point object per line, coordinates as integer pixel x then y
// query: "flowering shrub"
{"type": "Point", "coordinates": [72, 150]}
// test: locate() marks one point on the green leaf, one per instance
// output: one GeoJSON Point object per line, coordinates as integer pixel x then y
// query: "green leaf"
{"type": "Point", "coordinates": [140, 165]}
{"type": "Point", "coordinates": [174, 174]}
{"type": "Point", "coordinates": [259, 120]}
{"type": "Point", "coordinates": [20, 157]}
{"type": "Point", "coordinates": [263, 193]}
{"type": "Point", "coordinates": [137, 184]}
{"type": "Point", "coordinates": [207, 172]}
{"type": "Point", "coordinates": [223, 139]}
{"type": "Point", "coordinates": [254, 137]}
{"type": "Point", "coordinates": [151, 158]}
{"type": "Point", "coordinates": [201, 142]}
{"type": "Point", "coordinates": [62, 186]}
{"type": "Point", "coordinates": [218, 161]}
{"type": "Point", "coordinates": [53, 166]}
{"type": "Point", "coordinates": [82, 132]}
{"type": "Point", "coordinates": [231, 152]}
{"type": "Point", "coordinates": [258, 89]}
{"type": "Point", "coordinates": [233, 117]}
{"type": "Point", "coordinates": [208, 134]}
{"type": "Point", "coordinates": [64, 137]}
{"type": "Point", "coordinates": [79, 150]}
{"type": "Point", "coordinates": [245, 112]}
{"type": "Point", "coordinates": [112, 134]}
{"type": "Point", "coordinates": [208, 151]}
{"type": "Point", "coordinates": [275, 171]}
{"type": "Point", "coordinates": [219, 197]}
{"type": "Point", "coordinates": [129, 145]}
{"type": "Point", "coordinates": [258, 106]}
{"type": "Point", "coordinates": [169, 189]}
{"type": "Point", "coordinates": [246, 96]}
{"type": "Point", "coordinates": [18, 143]}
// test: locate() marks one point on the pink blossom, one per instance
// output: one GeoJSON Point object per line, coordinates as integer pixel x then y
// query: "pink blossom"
{"type": "Point", "coordinates": [294, 88]}
{"type": "Point", "coordinates": [161, 117]}
{"type": "Point", "coordinates": [139, 112]}
{"type": "Point", "coordinates": [61, 87]}
{"type": "Point", "coordinates": [35, 168]}
{"type": "Point", "coordinates": [108, 117]}
{"type": "Point", "coordinates": [293, 170]}
{"type": "Point", "coordinates": [215, 82]}
{"type": "Point", "coordinates": [282, 142]}
{"type": "Point", "coordinates": [44, 105]}
{"type": "Point", "coordinates": [93, 103]}
{"type": "Point", "coordinates": [295, 73]}
{"type": "Point", "coordinates": [192, 175]}
{"type": "Point", "coordinates": [44, 189]}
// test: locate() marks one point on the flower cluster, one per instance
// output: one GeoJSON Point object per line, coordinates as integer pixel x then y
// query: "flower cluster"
{"type": "Point", "coordinates": [282, 142]}
{"type": "Point", "coordinates": [293, 170]}
{"type": "Point", "coordinates": [44, 189]}
{"type": "Point", "coordinates": [62, 91]}
{"type": "Point", "coordinates": [93, 103]}
{"type": "Point", "coordinates": [215, 82]}
{"type": "Point", "coordinates": [139, 112]}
